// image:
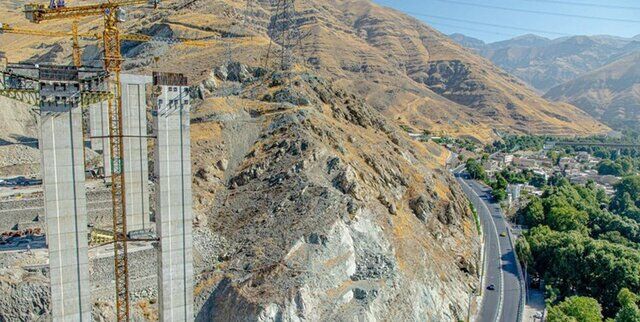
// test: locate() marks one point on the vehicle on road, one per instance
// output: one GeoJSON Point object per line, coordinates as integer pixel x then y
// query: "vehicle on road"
{"type": "Point", "coordinates": [491, 287]}
{"type": "Point", "coordinates": [503, 234]}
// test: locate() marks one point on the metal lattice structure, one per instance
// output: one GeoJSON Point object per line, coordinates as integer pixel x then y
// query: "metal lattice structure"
{"type": "Point", "coordinates": [113, 64]}
{"type": "Point", "coordinates": [26, 89]}
{"type": "Point", "coordinates": [284, 31]}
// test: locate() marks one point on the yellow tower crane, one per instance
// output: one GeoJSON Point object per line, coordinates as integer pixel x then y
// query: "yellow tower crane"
{"type": "Point", "coordinates": [75, 37]}
{"type": "Point", "coordinates": [112, 15]}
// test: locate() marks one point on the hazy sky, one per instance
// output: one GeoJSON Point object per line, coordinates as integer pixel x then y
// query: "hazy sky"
{"type": "Point", "coordinates": [493, 20]}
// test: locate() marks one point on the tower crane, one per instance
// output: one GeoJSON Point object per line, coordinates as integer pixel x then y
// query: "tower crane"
{"type": "Point", "coordinates": [112, 14]}
{"type": "Point", "coordinates": [75, 36]}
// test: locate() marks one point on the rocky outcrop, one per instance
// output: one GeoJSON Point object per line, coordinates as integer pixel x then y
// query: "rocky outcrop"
{"type": "Point", "coordinates": [332, 214]}
{"type": "Point", "coordinates": [454, 80]}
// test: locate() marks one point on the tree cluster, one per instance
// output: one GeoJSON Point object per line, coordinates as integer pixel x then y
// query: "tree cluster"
{"type": "Point", "coordinates": [586, 247]}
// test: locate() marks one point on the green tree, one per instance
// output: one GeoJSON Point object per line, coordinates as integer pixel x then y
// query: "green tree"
{"type": "Point", "coordinates": [576, 308]}
{"type": "Point", "coordinates": [565, 217]}
{"type": "Point", "coordinates": [538, 181]}
{"type": "Point", "coordinates": [524, 251]}
{"type": "Point", "coordinates": [602, 197]}
{"type": "Point", "coordinates": [501, 182]}
{"type": "Point", "coordinates": [629, 311]}
{"type": "Point", "coordinates": [475, 169]}
{"type": "Point", "coordinates": [500, 194]}
{"type": "Point", "coordinates": [626, 200]}
{"type": "Point", "coordinates": [608, 167]}
{"type": "Point", "coordinates": [534, 213]}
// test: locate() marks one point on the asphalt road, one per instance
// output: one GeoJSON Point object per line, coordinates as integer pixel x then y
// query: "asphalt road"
{"type": "Point", "coordinates": [501, 267]}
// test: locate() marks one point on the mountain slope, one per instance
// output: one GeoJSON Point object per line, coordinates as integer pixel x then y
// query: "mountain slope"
{"type": "Point", "coordinates": [610, 93]}
{"type": "Point", "coordinates": [402, 67]}
{"type": "Point", "coordinates": [327, 211]}
{"type": "Point", "coordinates": [468, 42]}
{"type": "Point", "coordinates": [544, 63]}
{"type": "Point", "coordinates": [396, 61]}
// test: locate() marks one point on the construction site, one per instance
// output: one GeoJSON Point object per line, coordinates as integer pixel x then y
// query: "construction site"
{"type": "Point", "coordinates": [216, 161]}
{"type": "Point", "coordinates": [102, 211]}
{"type": "Point", "coordinates": [109, 216]}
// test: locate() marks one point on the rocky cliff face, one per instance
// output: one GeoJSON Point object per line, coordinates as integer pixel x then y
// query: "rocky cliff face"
{"type": "Point", "coordinates": [326, 212]}
{"type": "Point", "coordinates": [310, 205]}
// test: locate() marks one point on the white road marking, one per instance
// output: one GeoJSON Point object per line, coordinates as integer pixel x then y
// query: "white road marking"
{"type": "Point", "coordinates": [495, 230]}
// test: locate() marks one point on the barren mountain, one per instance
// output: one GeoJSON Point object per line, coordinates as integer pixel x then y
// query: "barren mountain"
{"type": "Point", "coordinates": [311, 202]}
{"type": "Point", "coordinates": [544, 63]}
{"type": "Point", "coordinates": [610, 93]}
{"type": "Point", "coordinates": [412, 72]}
{"type": "Point", "coordinates": [326, 211]}
{"type": "Point", "coordinates": [401, 66]}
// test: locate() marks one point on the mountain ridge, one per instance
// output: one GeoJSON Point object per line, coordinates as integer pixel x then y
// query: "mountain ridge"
{"type": "Point", "coordinates": [610, 93]}
{"type": "Point", "coordinates": [563, 67]}
{"type": "Point", "coordinates": [395, 61]}
{"type": "Point", "coordinates": [545, 63]}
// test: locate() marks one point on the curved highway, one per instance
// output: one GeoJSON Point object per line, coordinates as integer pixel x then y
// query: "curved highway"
{"type": "Point", "coordinates": [506, 302]}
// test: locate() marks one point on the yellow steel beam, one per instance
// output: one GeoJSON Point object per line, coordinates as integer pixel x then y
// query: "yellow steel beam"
{"type": "Point", "coordinates": [30, 97]}
{"type": "Point", "coordinates": [37, 12]}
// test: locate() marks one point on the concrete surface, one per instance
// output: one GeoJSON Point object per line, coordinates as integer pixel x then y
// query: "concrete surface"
{"type": "Point", "coordinates": [136, 164]}
{"type": "Point", "coordinates": [505, 302]}
{"type": "Point", "coordinates": [61, 145]}
{"type": "Point", "coordinates": [134, 129]}
{"type": "Point", "coordinates": [174, 213]}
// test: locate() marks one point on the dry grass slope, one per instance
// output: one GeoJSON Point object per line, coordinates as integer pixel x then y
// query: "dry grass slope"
{"type": "Point", "coordinates": [401, 66]}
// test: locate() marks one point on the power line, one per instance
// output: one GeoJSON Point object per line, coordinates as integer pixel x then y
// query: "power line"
{"type": "Point", "coordinates": [584, 4]}
{"type": "Point", "coordinates": [472, 29]}
{"type": "Point", "coordinates": [479, 5]}
{"type": "Point", "coordinates": [485, 24]}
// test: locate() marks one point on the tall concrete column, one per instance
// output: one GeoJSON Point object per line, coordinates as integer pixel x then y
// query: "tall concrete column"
{"type": "Point", "coordinates": [136, 163]}
{"type": "Point", "coordinates": [61, 146]}
{"type": "Point", "coordinates": [99, 132]}
{"type": "Point", "coordinates": [174, 215]}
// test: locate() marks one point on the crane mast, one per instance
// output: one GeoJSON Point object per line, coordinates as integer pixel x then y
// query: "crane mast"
{"type": "Point", "coordinates": [112, 64]}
